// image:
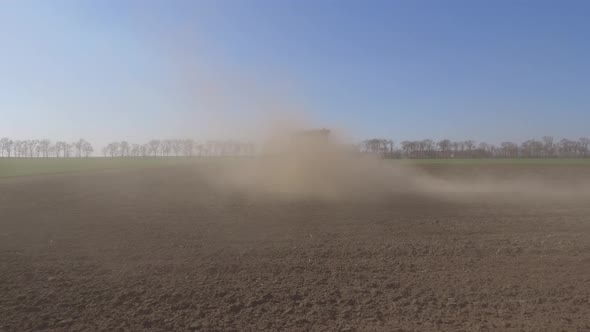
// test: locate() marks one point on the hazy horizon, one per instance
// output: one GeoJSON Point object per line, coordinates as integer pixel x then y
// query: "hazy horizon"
{"type": "Point", "coordinates": [404, 70]}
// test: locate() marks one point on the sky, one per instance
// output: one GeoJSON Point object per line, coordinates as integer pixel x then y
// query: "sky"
{"type": "Point", "coordinates": [134, 70]}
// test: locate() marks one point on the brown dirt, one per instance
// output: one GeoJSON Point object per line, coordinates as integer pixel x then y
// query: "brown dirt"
{"type": "Point", "coordinates": [160, 249]}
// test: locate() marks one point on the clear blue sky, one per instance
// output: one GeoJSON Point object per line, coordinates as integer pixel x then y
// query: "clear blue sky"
{"type": "Point", "coordinates": [484, 70]}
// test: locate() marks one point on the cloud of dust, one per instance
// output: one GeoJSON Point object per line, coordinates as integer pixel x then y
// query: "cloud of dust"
{"type": "Point", "coordinates": [294, 161]}
{"type": "Point", "coordinates": [289, 162]}
{"type": "Point", "coordinates": [300, 164]}
{"type": "Point", "coordinates": [306, 164]}
{"type": "Point", "coordinates": [506, 182]}
{"type": "Point", "coordinates": [225, 102]}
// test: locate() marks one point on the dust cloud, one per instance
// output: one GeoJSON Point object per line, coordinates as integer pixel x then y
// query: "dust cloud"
{"type": "Point", "coordinates": [227, 103]}
{"type": "Point", "coordinates": [298, 159]}
{"type": "Point", "coordinates": [312, 164]}
{"type": "Point", "coordinates": [295, 160]}
{"type": "Point", "coordinates": [307, 164]}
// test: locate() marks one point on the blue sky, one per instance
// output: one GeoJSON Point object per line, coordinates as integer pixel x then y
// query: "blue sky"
{"type": "Point", "coordinates": [113, 70]}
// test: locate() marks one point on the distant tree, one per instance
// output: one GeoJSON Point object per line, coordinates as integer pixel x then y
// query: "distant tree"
{"type": "Point", "coordinates": [469, 146]}
{"type": "Point", "coordinates": [408, 148]}
{"type": "Point", "coordinates": [3, 143]}
{"type": "Point", "coordinates": [585, 146]}
{"type": "Point", "coordinates": [68, 149]}
{"type": "Point", "coordinates": [371, 145]}
{"type": "Point", "coordinates": [381, 146]}
{"type": "Point", "coordinates": [60, 148]}
{"type": "Point", "coordinates": [482, 150]}
{"type": "Point", "coordinates": [17, 144]}
{"type": "Point", "coordinates": [509, 150]}
{"type": "Point", "coordinates": [166, 147]}
{"type": "Point", "coordinates": [456, 148]}
{"type": "Point", "coordinates": [145, 150]}
{"type": "Point", "coordinates": [30, 148]}
{"type": "Point", "coordinates": [113, 149]}
{"type": "Point", "coordinates": [177, 145]}
{"type": "Point", "coordinates": [87, 149]}
{"type": "Point", "coordinates": [444, 146]}
{"type": "Point", "coordinates": [124, 149]}
{"type": "Point", "coordinates": [391, 145]}
{"type": "Point", "coordinates": [38, 150]}
{"type": "Point", "coordinates": [8, 146]}
{"type": "Point", "coordinates": [44, 147]}
{"type": "Point", "coordinates": [567, 148]}
{"type": "Point", "coordinates": [427, 148]}
{"type": "Point", "coordinates": [154, 146]}
{"type": "Point", "coordinates": [532, 148]}
{"type": "Point", "coordinates": [188, 146]}
{"type": "Point", "coordinates": [135, 150]}
{"type": "Point", "coordinates": [548, 146]}
{"type": "Point", "coordinates": [80, 147]}
{"type": "Point", "coordinates": [213, 148]}
{"type": "Point", "coordinates": [51, 150]}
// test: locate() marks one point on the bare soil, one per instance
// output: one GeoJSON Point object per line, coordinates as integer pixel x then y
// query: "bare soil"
{"type": "Point", "coordinates": [159, 249]}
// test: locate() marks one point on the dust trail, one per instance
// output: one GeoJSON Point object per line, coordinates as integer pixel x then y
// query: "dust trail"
{"type": "Point", "coordinates": [303, 165]}
{"type": "Point", "coordinates": [296, 163]}
{"type": "Point", "coordinates": [307, 164]}
{"type": "Point", "coordinates": [509, 182]}
{"type": "Point", "coordinates": [227, 103]}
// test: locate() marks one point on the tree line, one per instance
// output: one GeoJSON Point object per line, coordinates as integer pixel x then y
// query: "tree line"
{"type": "Point", "coordinates": [44, 148]}
{"type": "Point", "coordinates": [177, 148]}
{"type": "Point", "coordinates": [546, 147]}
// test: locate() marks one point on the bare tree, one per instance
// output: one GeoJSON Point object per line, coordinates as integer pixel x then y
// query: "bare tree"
{"type": "Point", "coordinates": [8, 146]}
{"type": "Point", "coordinates": [124, 149]}
{"type": "Point", "coordinates": [51, 150]}
{"type": "Point", "coordinates": [509, 150]}
{"type": "Point", "coordinates": [87, 149]}
{"type": "Point", "coordinates": [80, 147]}
{"type": "Point", "coordinates": [532, 148]}
{"type": "Point", "coordinates": [3, 143]}
{"type": "Point", "coordinates": [18, 148]}
{"type": "Point", "coordinates": [145, 150]}
{"type": "Point", "coordinates": [135, 150]}
{"type": "Point", "coordinates": [427, 148]}
{"type": "Point", "coordinates": [112, 149]}
{"type": "Point", "coordinates": [30, 147]}
{"type": "Point", "coordinates": [60, 147]}
{"type": "Point", "coordinates": [378, 145]}
{"type": "Point", "coordinates": [176, 147]}
{"type": "Point", "coordinates": [444, 147]}
{"type": "Point", "coordinates": [188, 146]}
{"type": "Point", "coordinates": [44, 146]}
{"type": "Point", "coordinates": [68, 149]}
{"type": "Point", "coordinates": [154, 146]}
{"type": "Point", "coordinates": [166, 147]}
{"type": "Point", "coordinates": [408, 148]}
{"type": "Point", "coordinates": [585, 145]}
{"type": "Point", "coordinates": [548, 146]}
{"type": "Point", "coordinates": [567, 148]}
{"type": "Point", "coordinates": [469, 146]}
